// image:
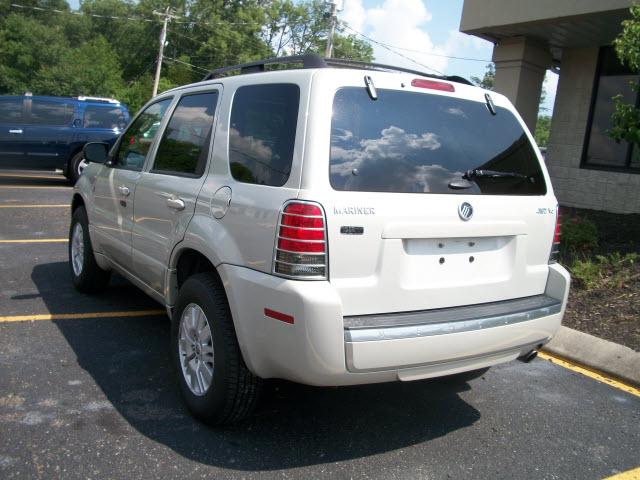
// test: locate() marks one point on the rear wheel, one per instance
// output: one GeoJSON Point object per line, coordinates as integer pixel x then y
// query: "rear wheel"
{"type": "Point", "coordinates": [73, 169]}
{"type": "Point", "coordinates": [86, 275]}
{"type": "Point", "coordinates": [215, 383]}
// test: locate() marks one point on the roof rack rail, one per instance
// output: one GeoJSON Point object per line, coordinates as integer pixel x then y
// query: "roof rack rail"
{"type": "Point", "coordinates": [316, 61]}
{"type": "Point", "coordinates": [84, 98]}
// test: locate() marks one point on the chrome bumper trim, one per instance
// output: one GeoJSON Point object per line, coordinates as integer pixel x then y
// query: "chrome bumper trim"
{"type": "Point", "coordinates": [456, 326]}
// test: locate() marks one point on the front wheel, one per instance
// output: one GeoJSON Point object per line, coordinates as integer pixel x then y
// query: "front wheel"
{"type": "Point", "coordinates": [86, 274]}
{"type": "Point", "coordinates": [215, 383]}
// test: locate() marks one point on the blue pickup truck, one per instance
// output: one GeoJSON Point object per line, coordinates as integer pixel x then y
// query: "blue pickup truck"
{"type": "Point", "coordinates": [48, 133]}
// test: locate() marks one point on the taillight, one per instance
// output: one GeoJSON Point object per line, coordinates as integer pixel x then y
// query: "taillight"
{"type": "Point", "coordinates": [301, 242]}
{"type": "Point", "coordinates": [555, 248]}
{"type": "Point", "coordinates": [433, 85]}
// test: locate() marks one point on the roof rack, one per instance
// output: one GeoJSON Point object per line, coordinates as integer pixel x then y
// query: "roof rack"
{"type": "Point", "coordinates": [316, 61]}
{"type": "Point", "coordinates": [84, 98]}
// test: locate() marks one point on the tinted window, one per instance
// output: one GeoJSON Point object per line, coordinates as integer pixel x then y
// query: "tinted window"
{"type": "Point", "coordinates": [47, 112]}
{"type": "Point", "coordinates": [104, 117]}
{"type": "Point", "coordinates": [185, 142]}
{"type": "Point", "coordinates": [263, 132]}
{"type": "Point", "coordinates": [612, 79]}
{"type": "Point", "coordinates": [137, 140]}
{"type": "Point", "coordinates": [418, 143]}
{"type": "Point", "coordinates": [11, 110]}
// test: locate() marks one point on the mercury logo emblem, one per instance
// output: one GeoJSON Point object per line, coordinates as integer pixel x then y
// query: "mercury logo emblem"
{"type": "Point", "coordinates": [465, 211]}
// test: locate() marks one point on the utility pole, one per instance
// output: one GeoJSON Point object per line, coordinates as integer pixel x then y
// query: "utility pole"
{"type": "Point", "coordinates": [333, 19]}
{"type": "Point", "coordinates": [168, 15]}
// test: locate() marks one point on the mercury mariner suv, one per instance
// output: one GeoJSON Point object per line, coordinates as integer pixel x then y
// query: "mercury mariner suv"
{"type": "Point", "coordinates": [335, 223]}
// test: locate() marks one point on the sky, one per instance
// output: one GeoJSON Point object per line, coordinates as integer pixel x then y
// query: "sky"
{"type": "Point", "coordinates": [425, 31]}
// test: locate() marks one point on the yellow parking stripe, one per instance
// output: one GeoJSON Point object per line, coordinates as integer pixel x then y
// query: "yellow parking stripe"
{"type": "Point", "coordinates": [601, 377]}
{"type": "Point", "coordinates": [61, 205]}
{"type": "Point", "coordinates": [37, 240]}
{"type": "Point", "coordinates": [15, 175]}
{"type": "Point", "coordinates": [78, 316]}
{"type": "Point", "coordinates": [628, 475]}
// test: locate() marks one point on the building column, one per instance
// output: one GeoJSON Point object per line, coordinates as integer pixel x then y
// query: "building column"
{"type": "Point", "coordinates": [521, 63]}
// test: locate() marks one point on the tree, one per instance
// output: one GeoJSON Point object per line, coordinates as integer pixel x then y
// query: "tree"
{"type": "Point", "coordinates": [625, 121]}
{"type": "Point", "coordinates": [543, 127]}
{"type": "Point", "coordinates": [487, 80]}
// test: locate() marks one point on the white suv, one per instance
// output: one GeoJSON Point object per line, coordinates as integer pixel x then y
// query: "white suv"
{"type": "Point", "coordinates": [334, 224]}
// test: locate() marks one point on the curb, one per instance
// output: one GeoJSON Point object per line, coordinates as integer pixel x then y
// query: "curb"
{"type": "Point", "coordinates": [607, 357]}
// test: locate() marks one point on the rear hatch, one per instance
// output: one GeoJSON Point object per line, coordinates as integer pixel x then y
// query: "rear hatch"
{"type": "Point", "coordinates": [433, 198]}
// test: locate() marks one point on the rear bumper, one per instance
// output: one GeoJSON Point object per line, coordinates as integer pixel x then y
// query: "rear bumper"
{"type": "Point", "coordinates": [323, 348]}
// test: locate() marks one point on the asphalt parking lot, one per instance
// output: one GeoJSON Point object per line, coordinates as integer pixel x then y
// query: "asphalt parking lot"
{"type": "Point", "coordinates": [87, 391]}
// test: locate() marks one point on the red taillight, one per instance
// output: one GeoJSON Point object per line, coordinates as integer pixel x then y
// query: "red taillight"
{"type": "Point", "coordinates": [555, 248]}
{"type": "Point", "coordinates": [301, 243]}
{"type": "Point", "coordinates": [433, 85]}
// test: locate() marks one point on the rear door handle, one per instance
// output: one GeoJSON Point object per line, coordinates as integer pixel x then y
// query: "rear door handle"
{"type": "Point", "coordinates": [124, 190]}
{"type": "Point", "coordinates": [16, 131]}
{"type": "Point", "coordinates": [175, 203]}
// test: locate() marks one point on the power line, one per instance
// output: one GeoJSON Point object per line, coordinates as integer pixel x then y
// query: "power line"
{"type": "Point", "coordinates": [422, 52]}
{"type": "Point", "coordinates": [188, 64]}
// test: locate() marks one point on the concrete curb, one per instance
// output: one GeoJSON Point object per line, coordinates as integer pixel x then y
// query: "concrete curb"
{"type": "Point", "coordinates": [607, 357]}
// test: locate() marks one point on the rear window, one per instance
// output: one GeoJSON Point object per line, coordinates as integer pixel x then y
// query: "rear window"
{"type": "Point", "coordinates": [53, 113]}
{"type": "Point", "coordinates": [104, 117]}
{"type": "Point", "coordinates": [263, 132]}
{"type": "Point", "coordinates": [418, 143]}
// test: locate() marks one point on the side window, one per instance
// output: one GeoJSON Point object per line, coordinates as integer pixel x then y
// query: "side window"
{"type": "Point", "coordinates": [47, 112]}
{"type": "Point", "coordinates": [137, 140]}
{"type": "Point", "coordinates": [262, 133]}
{"type": "Point", "coordinates": [11, 111]}
{"type": "Point", "coordinates": [184, 145]}
{"type": "Point", "coordinates": [104, 117]}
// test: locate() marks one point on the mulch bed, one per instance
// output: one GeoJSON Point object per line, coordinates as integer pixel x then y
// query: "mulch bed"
{"type": "Point", "coordinates": [613, 312]}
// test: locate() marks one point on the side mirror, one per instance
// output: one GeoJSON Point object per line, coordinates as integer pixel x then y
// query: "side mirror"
{"type": "Point", "coordinates": [96, 152]}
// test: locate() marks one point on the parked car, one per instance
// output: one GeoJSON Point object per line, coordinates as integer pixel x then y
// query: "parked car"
{"type": "Point", "coordinates": [49, 132]}
{"type": "Point", "coordinates": [326, 225]}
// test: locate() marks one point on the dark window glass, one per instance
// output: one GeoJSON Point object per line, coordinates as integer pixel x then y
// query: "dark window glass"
{"type": "Point", "coordinates": [185, 143]}
{"type": "Point", "coordinates": [104, 117]}
{"type": "Point", "coordinates": [612, 79]}
{"type": "Point", "coordinates": [418, 143]}
{"type": "Point", "coordinates": [47, 112]}
{"type": "Point", "coordinates": [137, 140]}
{"type": "Point", "coordinates": [263, 132]}
{"type": "Point", "coordinates": [11, 110]}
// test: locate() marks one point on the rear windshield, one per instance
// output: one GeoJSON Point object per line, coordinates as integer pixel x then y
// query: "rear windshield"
{"type": "Point", "coordinates": [104, 117]}
{"type": "Point", "coordinates": [424, 143]}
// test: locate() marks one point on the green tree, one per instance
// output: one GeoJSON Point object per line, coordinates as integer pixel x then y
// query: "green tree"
{"type": "Point", "coordinates": [625, 122]}
{"type": "Point", "coordinates": [543, 127]}
{"type": "Point", "coordinates": [488, 78]}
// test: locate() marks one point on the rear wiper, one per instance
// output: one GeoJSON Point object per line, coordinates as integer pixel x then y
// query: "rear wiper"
{"type": "Point", "coordinates": [478, 173]}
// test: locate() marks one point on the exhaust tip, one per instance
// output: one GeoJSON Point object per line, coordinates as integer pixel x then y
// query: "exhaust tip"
{"type": "Point", "coordinates": [528, 357]}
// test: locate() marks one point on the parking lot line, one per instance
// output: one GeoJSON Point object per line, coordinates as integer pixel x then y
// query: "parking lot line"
{"type": "Point", "coordinates": [60, 205]}
{"type": "Point", "coordinates": [15, 175]}
{"type": "Point", "coordinates": [79, 316]}
{"type": "Point", "coordinates": [633, 474]}
{"type": "Point", "coordinates": [37, 240]}
{"type": "Point", "coordinates": [22, 187]}
{"type": "Point", "coordinates": [601, 377]}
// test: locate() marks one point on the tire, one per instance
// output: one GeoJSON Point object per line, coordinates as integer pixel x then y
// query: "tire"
{"type": "Point", "coordinates": [73, 172]}
{"type": "Point", "coordinates": [86, 275]}
{"type": "Point", "coordinates": [233, 391]}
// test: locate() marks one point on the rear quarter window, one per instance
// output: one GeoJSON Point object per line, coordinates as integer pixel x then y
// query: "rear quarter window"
{"type": "Point", "coordinates": [262, 133]}
{"type": "Point", "coordinates": [104, 117]}
{"type": "Point", "coordinates": [418, 143]}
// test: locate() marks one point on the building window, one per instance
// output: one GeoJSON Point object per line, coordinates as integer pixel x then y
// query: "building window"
{"type": "Point", "coordinates": [601, 151]}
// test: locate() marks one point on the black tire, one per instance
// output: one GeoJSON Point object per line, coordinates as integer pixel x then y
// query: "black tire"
{"type": "Point", "coordinates": [234, 391]}
{"type": "Point", "coordinates": [72, 169]}
{"type": "Point", "coordinates": [90, 278]}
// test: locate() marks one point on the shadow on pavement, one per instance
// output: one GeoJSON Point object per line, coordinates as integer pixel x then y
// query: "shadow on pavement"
{"type": "Point", "coordinates": [294, 426]}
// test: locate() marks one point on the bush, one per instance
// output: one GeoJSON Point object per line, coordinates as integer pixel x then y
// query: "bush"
{"type": "Point", "coordinates": [611, 271]}
{"type": "Point", "coordinates": [579, 238]}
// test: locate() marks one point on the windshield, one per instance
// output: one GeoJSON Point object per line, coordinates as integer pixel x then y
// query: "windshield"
{"type": "Point", "coordinates": [420, 143]}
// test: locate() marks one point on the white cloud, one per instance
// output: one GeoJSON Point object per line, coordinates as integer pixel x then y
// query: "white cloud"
{"type": "Point", "coordinates": [404, 24]}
